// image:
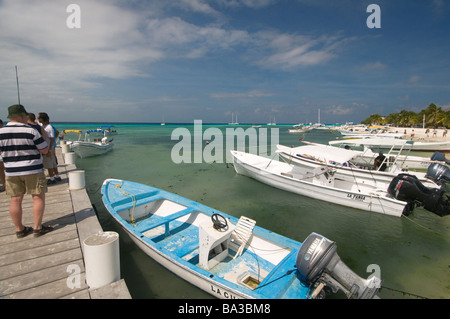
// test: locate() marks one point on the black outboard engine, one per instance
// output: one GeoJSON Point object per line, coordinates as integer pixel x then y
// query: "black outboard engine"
{"type": "Point", "coordinates": [319, 265]}
{"type": "Point", "coordinates": [408, 188]}
{"type": "Point", "coordinates": [438, 173]}
{"type": "Point", "coordinates": [438, 156]}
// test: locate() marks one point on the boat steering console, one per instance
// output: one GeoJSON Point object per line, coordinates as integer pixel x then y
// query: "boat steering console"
{"type": "Point", "coordinates": [219, 222]}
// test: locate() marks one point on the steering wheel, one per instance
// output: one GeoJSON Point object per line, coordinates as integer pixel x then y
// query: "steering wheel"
{"type": "Point", "coordinates": [219, 222]}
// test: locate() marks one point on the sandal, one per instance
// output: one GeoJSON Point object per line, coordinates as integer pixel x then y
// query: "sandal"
{"type": "Point", "coordinates": [44, 230]}
{"type": "Point", "coordinates": [25, 231]}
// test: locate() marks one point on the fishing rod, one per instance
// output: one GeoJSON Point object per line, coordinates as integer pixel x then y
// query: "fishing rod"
{"type": "Point", "coordinates": [17, 81]}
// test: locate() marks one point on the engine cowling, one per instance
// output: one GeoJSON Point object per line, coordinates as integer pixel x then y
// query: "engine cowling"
{"type": "Point", "coordinates": [318, 264]}
{"type": "Point", "coordinates": [408, 188]}
{"type": "Point", "coordinates": [438, 173]}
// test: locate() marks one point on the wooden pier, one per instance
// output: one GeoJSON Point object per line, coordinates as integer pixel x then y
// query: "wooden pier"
{"type": "Point", "coordinates": [51, 266]}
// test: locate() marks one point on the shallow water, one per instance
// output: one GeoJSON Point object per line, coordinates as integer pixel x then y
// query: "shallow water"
{"type": "Point", "coordinates": [412, 253]}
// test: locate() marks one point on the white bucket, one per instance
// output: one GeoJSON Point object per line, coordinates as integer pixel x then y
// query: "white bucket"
{"type": "Point", "coordinates": [69, 158]}
{"type": "Point", "coordinates": [65, 148]}
{"type": "Point", "coordinates": [101, 258]}
{"type": "Point", "coordinates": [76, 180]}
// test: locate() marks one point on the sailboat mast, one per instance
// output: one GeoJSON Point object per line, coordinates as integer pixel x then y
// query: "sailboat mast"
{"type": "Point", "coordinates": [17, 81]}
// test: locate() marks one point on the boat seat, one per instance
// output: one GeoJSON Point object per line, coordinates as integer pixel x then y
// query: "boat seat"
{"type": "Point", "coordinates": [150, 223]}
{"type": "Point", "coordinates": [277, 280]}
{"type": "Point", "coordinates": [242, 233]}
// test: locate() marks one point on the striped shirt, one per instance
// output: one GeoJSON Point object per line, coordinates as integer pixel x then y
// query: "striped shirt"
{"type": "Point", "coordinates": [19, 147]}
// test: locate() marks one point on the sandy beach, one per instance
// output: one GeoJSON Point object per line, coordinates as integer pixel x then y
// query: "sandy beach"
{"type": "Point", "coordinates": [421, 134]}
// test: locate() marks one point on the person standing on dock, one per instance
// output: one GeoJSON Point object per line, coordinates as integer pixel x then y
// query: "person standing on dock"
{"type": "Point", "coordinates": [21, 147]}
{"type": "Point", "coordinates": [50, 162]}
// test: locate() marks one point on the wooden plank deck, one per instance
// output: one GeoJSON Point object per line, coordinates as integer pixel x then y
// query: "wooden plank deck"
{"type": "Point", "coordinates": [43, 267]}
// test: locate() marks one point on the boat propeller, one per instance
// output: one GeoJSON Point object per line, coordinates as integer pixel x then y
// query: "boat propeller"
{"type": "Point", "coordinates": [319, 266]}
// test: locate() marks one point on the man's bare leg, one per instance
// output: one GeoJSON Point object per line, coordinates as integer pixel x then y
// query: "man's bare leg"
{"type": "Point", "coordinates": [15, 211]}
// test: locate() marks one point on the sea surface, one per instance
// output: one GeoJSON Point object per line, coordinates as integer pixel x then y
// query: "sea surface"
{"type": "Point", "coordinates": [412, 253]}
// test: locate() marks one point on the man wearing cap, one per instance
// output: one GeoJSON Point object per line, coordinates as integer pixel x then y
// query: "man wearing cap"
{"type": "Point", "coordinates": [21, 147]}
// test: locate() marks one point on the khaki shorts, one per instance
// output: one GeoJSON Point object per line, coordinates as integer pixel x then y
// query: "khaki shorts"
{"type": "Point", "coordinates": [50, 162]}
{"type": "Point", "coordinates": [34, 184]}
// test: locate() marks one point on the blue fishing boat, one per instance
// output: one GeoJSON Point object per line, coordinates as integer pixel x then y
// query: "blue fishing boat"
{"type": "Point", "coordinates": [227, 257]}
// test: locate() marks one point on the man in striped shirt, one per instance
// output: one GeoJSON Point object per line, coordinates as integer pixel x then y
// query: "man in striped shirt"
{"type": "Point", "coordinates": [21, 147]}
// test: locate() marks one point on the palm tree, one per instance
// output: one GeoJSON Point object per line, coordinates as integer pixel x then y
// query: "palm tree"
{"type": "Point", "coordinates": [432, 114]}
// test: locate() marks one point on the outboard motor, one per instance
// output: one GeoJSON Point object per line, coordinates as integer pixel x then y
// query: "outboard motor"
{"type": "Point", "coordinates": [440, 157]}
{"type": "Point", "coordinates": [438, 173]}
{"type": "Point", "coordinates": [319, 265]}
{"type": "Point", "coordinates": [408, 188]}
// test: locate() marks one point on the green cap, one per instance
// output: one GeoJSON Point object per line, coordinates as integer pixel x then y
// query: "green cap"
{"type": "Point", "coordinates": [16, 110]}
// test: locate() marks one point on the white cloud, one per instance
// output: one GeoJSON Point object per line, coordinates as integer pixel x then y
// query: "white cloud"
{"type": "Point", "coordinates": [290, 51]}
{"type": "Point", "coordinates": [373, 66]}
{"type": "Point", "coordinates": [414, 79]}
{"type": "Point", "coordinates": [66, 67]}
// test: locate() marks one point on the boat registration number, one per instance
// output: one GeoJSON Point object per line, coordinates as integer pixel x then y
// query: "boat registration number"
{"type": "Point", "coordinates": [356, 197]}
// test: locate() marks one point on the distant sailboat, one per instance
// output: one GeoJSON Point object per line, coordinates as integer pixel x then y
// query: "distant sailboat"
{"type": "Point", "coordinates": [233, 122]}
{"type": "Point", "coordinates": [272, 123]}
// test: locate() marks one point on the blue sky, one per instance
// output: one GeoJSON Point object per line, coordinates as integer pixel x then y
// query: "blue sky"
{"type": "Point", "coordinates": [180, 60]}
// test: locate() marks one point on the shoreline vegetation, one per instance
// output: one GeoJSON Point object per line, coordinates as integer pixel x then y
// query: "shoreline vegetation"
{"type": "Point", "coordinates": [433, 117]}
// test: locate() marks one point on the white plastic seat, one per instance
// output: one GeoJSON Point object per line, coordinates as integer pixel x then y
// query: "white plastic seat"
{"type": "Point", "coordinates": [242, 233]}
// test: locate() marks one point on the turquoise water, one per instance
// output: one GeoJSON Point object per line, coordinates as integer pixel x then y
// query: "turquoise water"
{"type": "Point", "coordinates": [412, 253]}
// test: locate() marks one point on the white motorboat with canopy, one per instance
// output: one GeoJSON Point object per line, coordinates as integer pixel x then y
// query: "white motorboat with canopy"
{"type": "Point", "coordinates": [345, 162]}
{"type": "Point", "coordinates": [98, 146]}
{"type": "Point", "coordinates": [394, 143]}
{"type": "Point", "coordinates": [403, 193]}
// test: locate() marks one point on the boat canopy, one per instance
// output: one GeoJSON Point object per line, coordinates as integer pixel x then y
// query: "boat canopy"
{"type": "Point", "coordinates": [95, 131]}
{"type": "Point", "coordinates": [323, 153]}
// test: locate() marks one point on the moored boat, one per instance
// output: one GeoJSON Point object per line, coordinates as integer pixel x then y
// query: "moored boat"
{"type": "Point", "coordinates": [403, 193]}
{"type": "Point", "coordinates": [394, 143]}
{"type": "Point", "coordinates": [344, 161]}
{"type": "Point", "coordinates": [228, 257]}
{"type": "Point", "coordinates": [319, 183]}
{"type": "Point", "coordinates": [86, 148]}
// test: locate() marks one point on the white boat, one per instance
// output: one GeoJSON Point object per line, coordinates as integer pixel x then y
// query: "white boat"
{"type": "Point", "coordinates": [87, 148]}
{"type": "Point", "coordinates": [227, 257]}
{"type": "Point", "coordinates": [343, 161]}
{"type": "Point", "coordinates": [319, 183]}
{"type": "Point", "coordinates": [300, 129]}
{"type": "Point", "coordinates": [233, 121]}
{"type": "Point", "coordinates": [394, 143]}
{"type": "Point", "coordinates": [371, 134]}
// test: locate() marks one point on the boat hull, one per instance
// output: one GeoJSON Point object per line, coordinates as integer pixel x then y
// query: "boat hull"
{"type": "Point", "coordinates": [88, 149]}
{"type": "Point", "coordinates": [373, 202]}
{"type": "Point", "coordinates": [204, 282]}
{"type": "Point", "coordinates": [178, 245]}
